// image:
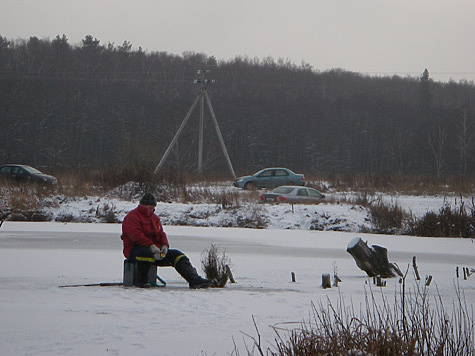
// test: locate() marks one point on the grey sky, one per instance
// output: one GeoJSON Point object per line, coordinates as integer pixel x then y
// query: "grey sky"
{"type": "Point", "coordinates": [367, 36]}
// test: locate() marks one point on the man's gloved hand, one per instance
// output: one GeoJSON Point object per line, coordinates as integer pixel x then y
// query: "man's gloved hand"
{"type": "Point", "coordinates": [156, 252]}
{"type": "Point", "coordinates": [163, 251]}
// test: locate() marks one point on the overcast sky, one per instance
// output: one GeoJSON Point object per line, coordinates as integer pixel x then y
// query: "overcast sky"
{"type": "Point", "coordinates": [368, 36]}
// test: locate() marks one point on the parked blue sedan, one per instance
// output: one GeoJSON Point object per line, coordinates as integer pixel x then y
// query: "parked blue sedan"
{"type": "Point", "coordinates": [270, 178]}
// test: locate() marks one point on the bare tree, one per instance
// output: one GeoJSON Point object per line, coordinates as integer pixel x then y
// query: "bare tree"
{"type": "Point", "coordinates": [465, 140]}
{"type": "Point", "coordinates": [437, 144]}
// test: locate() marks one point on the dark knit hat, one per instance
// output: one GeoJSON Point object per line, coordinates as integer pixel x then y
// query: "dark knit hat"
{"type": "Point", "coordinates": [148, 199]}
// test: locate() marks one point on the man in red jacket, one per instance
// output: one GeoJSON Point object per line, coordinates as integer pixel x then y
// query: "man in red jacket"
{"type": "Point", "coordinates": [145, 243]}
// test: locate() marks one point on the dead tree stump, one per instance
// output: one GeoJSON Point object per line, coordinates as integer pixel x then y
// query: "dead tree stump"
{"type": "Point", "coordinates": [373, 260]}
{"type": "Point", "coordinates": [326, 281]}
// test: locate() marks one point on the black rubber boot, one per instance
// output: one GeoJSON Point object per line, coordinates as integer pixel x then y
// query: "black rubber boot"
{"type": "Point", "coordinates": [188, 272]}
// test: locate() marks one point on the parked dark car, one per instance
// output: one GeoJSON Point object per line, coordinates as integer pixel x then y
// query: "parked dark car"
{"type": "Point", "coordinates": [270, 178]}
{"type": "Point", "coordinates": [24, 173]}
{"type": "Point", "coordinates": [292, 194]}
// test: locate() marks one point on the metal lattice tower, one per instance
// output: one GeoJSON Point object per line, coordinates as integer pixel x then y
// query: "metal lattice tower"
{"type": "Point", "coordinates": [202, 95]}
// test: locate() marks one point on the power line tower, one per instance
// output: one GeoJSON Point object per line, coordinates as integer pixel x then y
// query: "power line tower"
{"type": "Point", "coordinates": [202, 95]}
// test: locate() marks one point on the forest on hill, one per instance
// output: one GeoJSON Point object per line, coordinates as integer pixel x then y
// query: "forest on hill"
{"type": "Point", "coordinates": [92, 105]}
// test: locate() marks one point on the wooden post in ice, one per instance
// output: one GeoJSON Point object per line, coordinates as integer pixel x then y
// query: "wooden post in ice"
{"type": "Point", "coordinates": [373, 260]}
{"type": "Point", "coordinates": [230, 274]}
{"type": "Point", "coordinates": [326, 282]}
{"type": "Point", "coordinates": [414, 265]}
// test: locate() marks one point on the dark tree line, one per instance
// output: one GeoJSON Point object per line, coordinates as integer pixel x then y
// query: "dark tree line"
{"type": "Point", "coordinates": [91, 105]}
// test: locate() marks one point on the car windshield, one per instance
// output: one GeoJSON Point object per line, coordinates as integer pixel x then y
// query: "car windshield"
{"type": "Point", "coordinates": [31, 170]}
{"type": "Point", "coordinates": [283, 190]}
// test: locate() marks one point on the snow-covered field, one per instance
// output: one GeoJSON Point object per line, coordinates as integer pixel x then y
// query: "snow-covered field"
{"type": "Point", "coordinates": [335, 213]}
{"type": "Point", "coordinates": [40, 318]}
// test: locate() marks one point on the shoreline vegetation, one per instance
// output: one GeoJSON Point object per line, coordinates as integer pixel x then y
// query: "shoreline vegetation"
{"type": "Point", "coordinates": [455, 218]}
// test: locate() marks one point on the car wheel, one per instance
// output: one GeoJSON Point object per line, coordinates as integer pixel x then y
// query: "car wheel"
{"type": "Point", "coordinates": [290, 183]}
{"type": "Point", "coordinates": [250, 186]}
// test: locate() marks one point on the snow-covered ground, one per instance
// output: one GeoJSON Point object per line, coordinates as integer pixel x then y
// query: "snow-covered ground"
{"type": "Point", "coordinates": [337, 212]}
{"type": "Point", "coordinates": [40, 318]}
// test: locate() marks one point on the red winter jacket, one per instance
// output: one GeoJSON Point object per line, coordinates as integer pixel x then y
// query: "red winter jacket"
{"type": "Point", "coordinates": [140, 229]}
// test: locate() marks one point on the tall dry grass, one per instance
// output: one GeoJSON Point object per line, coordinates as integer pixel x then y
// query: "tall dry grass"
{"type": "Point", "coordinates": [449, 221]}
{"type": "Point", "coordinates": [413, 324]}
{"type": "Point", "coordinates": [393, 182]}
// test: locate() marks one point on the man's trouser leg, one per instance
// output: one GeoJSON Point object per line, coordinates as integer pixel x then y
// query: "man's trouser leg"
{"type": "Point", "coordinates": [185, 269]}
{"type": "Point", "coordinates": [174, 258]}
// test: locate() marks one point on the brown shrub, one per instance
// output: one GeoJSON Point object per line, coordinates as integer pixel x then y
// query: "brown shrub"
{"type": "Point", "coordinates": [448, 222]}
